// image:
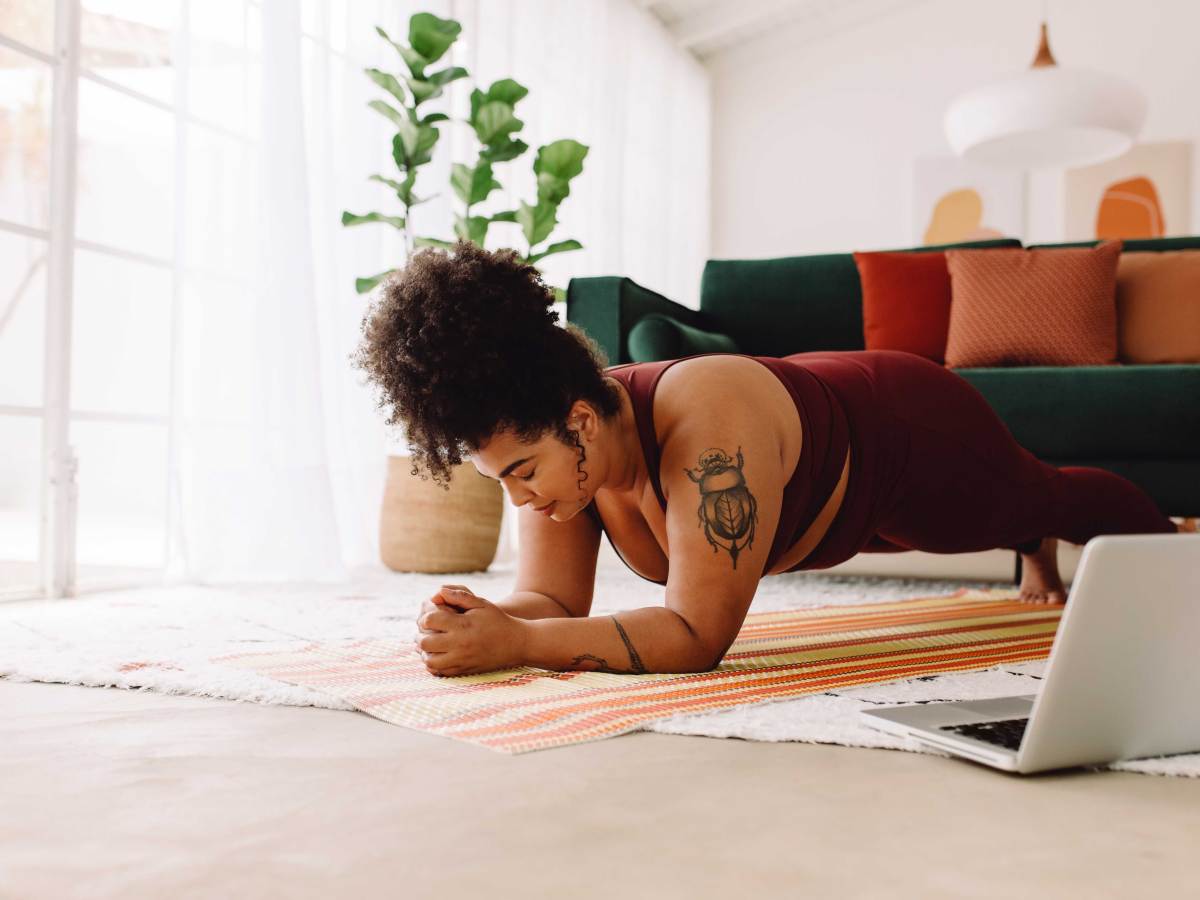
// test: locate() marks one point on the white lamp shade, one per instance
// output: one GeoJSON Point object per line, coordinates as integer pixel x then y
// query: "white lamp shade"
{"type": "Point", "coordinates": [1046, 117]}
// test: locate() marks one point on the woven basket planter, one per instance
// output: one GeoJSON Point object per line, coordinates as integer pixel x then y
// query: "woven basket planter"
{"type": "Point", "coordinates": [424, 528]}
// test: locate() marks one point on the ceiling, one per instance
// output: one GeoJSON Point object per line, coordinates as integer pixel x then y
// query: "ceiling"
{"type": "Point", "coordinates": [706, 27]}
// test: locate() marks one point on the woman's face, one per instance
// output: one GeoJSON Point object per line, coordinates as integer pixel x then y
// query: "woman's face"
{"type": "Point", "coordinates": [543, 474]}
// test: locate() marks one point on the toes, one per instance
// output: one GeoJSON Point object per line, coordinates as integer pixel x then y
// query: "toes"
{"type": "Point", "coordinates": [1041, 598]}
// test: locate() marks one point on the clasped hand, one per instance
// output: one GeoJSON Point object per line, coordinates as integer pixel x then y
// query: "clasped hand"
{"type": "Point", "coordinates": [462, 634]}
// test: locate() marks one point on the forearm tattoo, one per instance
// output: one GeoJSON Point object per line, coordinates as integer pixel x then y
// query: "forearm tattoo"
{"type": "Point", "coordinates": [728, 511]}
{"type": "Point", "coordinates": [635, 661]}
{"type": "Point", "coordinates": [601, 664]}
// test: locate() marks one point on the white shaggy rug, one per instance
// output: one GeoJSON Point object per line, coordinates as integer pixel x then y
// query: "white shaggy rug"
{"type": "Point", "coordinates": [161, 639]}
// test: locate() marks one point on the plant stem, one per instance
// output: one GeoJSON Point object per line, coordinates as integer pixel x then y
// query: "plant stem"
{"type": "Point", "coordinates": [408, 239]}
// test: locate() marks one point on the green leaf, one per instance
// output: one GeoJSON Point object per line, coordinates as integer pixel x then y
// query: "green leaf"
{"type": "Point", "coordinates": [507, 91]}
{"type": "Point", "coordinates": [477, 228]}
{"type": "Point", "coordinates": [417, 201]}
{"type": "Point", "coordinates": [478, 98]}
{"type": "Point", "coordinates": [394, 185]}
{"type": "Point", "coordinates": [494, 121]}
{"type": "Point", "coordinates": [551, 189]}
{"type": "Point", "coordinates": [461, 177]}
{"type": "Point", "coordinates": [431, 36]}
{"type": "Point", "coordinates": [383, 108]}
{"type": "Point", "coordinates": [431, 242]}
{"type": "Point", "coordinates": [404, 142]}
{"type": "Point", "coordinates": [434, 117]}
{"type": "Point", "coordinates": [472, 229]}
{"type": "Point", "coordinates": [536, 222]}
{"type": "Point", "coordinates": [504, 91]}
{"type": "Point", "coordinates": [422, 90]}
{"type": "Point", "coordinates": [503, 152]}
{"type": "Point", "coordinates": [413, 144]}
{"type": "Point", "coordinates": [366, 285]}
{"type": "Point", "coordinates": [349, 218]}
{"type": "Point", "coordinates": [472, 185]}
{"type": "Point", "coordinates": [415, 61]}
{"type": "Point", "coordinates": [383, 34]}
{"type": "Point", "coordinates": [562, 158]}
{"type": "Point", "coordinates": [560, 247]}
{"type": "Point", "coordinates": [508, 215]}
{"type": "Point", "coordinates": [445, 76]}
{"type": "Point", "coordinates": [556, 164]}
{"type": "Point", "coordinates": [560, 295]}
{"type": "Point", "coordinates": [389, 84]}
{"type": "Point", "coordinates": [483, 184]}
{"type": "Point", "coordinates": [427, 88]}
{"type": "Point", "coordinates": [405, 190]}
{"type": "Point", "coordinates": [425, 144]}
{"type": "Point", "coordinates": [398, 154]}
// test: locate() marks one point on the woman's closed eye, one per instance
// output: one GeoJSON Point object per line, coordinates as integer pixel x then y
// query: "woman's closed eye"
{"type": "Point", "coordinates": [530, 475]}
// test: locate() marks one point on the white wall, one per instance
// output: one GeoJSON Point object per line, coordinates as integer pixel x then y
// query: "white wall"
{"type": "Point", "coordinates": [814, 140]}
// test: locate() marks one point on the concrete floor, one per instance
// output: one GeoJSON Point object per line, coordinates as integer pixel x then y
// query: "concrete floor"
{"type": "Point", "coordinates": [109, 793]}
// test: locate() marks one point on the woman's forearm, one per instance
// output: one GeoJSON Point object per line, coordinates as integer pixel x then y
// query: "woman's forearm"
{"type": "Point", "coordinates": [651, 639]}
{"type": "Point", "coordinates": [532, 605]}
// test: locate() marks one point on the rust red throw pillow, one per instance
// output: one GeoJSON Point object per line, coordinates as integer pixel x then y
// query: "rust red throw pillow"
{"type": "Point", "coordinates": [1054, 307]}
{"type": "Point", "coordinates": [906, 302]}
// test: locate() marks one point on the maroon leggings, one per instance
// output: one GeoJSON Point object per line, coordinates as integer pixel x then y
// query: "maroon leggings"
{"type": "Point", "coordinates": [934, 468]}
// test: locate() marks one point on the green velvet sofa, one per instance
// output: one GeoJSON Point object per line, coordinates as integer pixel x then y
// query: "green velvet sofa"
{"type": "Point", "coordinates": [1140, 421]}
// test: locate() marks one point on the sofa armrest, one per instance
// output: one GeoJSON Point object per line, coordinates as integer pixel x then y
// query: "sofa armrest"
{"type": "Point", "coordinates": [608, 307]}
{"type": "Point", "coordinates": [656, 337]}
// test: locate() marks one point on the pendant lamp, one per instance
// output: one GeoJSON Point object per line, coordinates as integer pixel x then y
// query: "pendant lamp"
{"type": "Point", "coordinates": [1047, 117]}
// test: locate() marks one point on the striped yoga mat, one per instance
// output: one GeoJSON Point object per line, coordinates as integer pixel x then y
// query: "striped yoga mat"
{"type": "Point", "coordinates": [777, 655]}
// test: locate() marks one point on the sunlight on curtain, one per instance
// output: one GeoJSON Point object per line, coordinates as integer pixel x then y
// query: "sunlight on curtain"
{"type": "Point", "coordinates": [278, 457]}
{"type": "Point", "coordinates": [279, 453]}
{"type": "Point", "coordinates": [25, 92]}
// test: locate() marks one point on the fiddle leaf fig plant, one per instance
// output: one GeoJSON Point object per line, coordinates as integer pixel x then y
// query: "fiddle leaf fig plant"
{"type": "Point", "coordinates": [494, 122]}
{"type": "Point", "coordinates": [429, 37]}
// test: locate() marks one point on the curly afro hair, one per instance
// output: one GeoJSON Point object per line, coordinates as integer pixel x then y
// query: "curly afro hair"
{"type": "Point", "coordinates": [463, 344]}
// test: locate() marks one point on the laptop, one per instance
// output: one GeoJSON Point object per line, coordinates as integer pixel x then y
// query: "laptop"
{"type": "Point", "coordinates": [1122, 679]}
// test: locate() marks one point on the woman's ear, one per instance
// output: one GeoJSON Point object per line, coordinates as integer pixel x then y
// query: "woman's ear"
{"type": "Point", "coordinates": [581, 419]}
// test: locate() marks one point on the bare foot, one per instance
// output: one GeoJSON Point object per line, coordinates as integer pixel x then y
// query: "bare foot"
{"type": "Point", "coordinates": [1040, 581]}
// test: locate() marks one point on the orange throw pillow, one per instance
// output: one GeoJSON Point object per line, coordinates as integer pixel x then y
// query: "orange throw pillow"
{"type": "Point", "coordinates": [1053, 307]}
{"type": "Point", "coordinates": [906, 302]}
{"type": "Point", "coordinates": [1158, 307]}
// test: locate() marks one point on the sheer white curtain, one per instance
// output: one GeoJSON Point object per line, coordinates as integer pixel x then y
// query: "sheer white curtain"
{"type": "Point", "coordinates": [278, 454]}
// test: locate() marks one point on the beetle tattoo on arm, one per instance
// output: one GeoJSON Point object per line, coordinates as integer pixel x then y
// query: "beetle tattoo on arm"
{"type": "Point", "coordinates": [728, 511]}
{"type": "Point", "coordinates": [635, 660]}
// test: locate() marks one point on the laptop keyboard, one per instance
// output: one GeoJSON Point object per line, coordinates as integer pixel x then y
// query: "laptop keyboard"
{"type": "Point", "coordinates": [1005, 732]}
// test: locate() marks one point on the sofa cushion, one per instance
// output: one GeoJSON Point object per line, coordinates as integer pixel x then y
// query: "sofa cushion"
{"type": "Point", "coordinates": [793, 304]}
{"type": "Point", "coordinates": [658, 336]}
{"type": "Point", "coordinates": [1097, 412]}
{"type": "Point", "coordinates": [1033, 307]}
{"type": "Point", "coordinates": [607, 307]}
{"type": "Point", "coordinates": [905, 302]}
{"type": "Point", "coordinates": [1158, 307]}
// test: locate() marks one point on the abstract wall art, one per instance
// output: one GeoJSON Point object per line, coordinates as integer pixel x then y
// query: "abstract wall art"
{"type": "Point", "coordinates": [954, 200]}
{"type": "Point", "coordinates": [1145, 193]}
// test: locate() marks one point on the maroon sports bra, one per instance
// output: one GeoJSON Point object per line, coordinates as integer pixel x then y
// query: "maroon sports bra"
{"type": "Point", "coordinates": [822, 453]}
